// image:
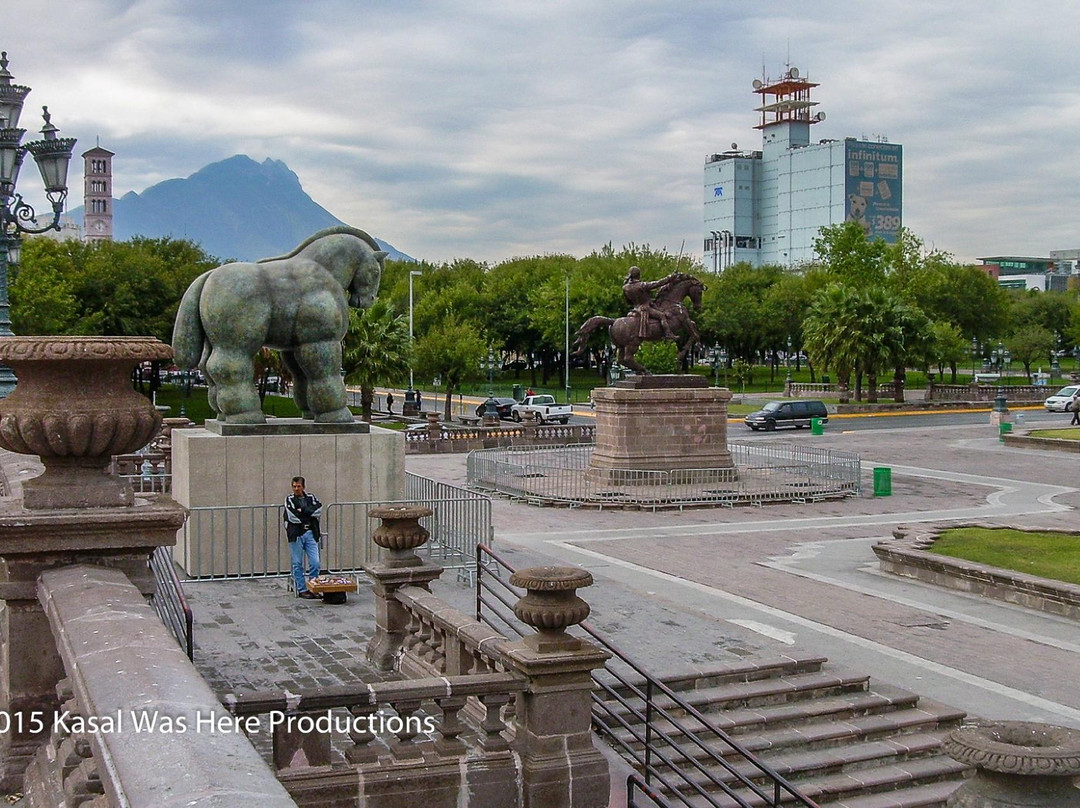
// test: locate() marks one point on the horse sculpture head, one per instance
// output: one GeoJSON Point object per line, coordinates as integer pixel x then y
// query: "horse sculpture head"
{"type": "Point", "coordinates": [350, 255]}
{"type": "Point", "coordinates": [695, 291]}
{"type": "Point", "coordinates": [365, 281]}
{"type": "Point", "coordinates": [682, 286]}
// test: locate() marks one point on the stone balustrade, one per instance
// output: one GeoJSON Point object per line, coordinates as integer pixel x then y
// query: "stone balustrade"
{"type": "Point", "coordinates": [445, 439]}
{"type": "Point", "coordinates": [441, 641]}
{"type": "Point", "coordinates": [409, 742]}
{"type": "Point", "coordinates": [550, 718]}
{"type": "Point", "coordinates": [1018, 393]}
{"type": "Point", "coordinates": [123, 670]}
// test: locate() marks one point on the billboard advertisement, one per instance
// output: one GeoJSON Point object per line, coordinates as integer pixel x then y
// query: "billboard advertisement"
{"type": "Point", "coordinates": [874, 187]}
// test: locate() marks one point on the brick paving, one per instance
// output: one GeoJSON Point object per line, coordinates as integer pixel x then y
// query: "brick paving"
{"type": "Point", "coordinates": [256, 635]}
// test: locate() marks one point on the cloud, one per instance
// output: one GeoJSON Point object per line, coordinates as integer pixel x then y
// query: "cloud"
{"type": "Point", "coordinates": [488, 129]}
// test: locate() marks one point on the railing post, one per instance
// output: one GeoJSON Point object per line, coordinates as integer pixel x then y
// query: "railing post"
{"type": "Point", "coordinates": [399, 534]}
{"type": "Point", "coordinates": [648, 730]}
{"type": "Point", "coordinates": [560, 764]}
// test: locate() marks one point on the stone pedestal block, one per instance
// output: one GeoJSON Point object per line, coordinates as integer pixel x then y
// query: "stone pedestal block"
{"type": "Point", "coordinates": [561, 765]}
{"type": "Point", "coordinates": [216, 471]}
{"type": "Point", "coordinates": [31, 542]}
{"type": "Point", "coordinates": [665, 427]}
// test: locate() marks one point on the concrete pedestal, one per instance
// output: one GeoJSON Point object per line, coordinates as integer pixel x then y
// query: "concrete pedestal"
{"type": "Point", "coordinates": [659, 423]}
{"type": "Point", "coordinates": [251, 470]}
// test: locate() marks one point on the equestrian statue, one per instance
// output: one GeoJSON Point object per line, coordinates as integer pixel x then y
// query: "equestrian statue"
{"type": "Point", "coordinates": [658, 316]}
{"type": "Point", "coordinates": [297, 304]}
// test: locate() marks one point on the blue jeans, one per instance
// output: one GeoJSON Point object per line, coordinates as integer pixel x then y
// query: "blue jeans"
{"type": "Point", "coordinates": [305, 545]}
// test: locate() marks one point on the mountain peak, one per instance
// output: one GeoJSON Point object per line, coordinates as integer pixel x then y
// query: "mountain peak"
{"type": "Point", "coordinates": [236, 208]}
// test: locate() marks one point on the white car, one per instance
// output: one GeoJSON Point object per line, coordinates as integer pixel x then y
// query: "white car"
{"type": "Point", "coordinates": [1057, 402]}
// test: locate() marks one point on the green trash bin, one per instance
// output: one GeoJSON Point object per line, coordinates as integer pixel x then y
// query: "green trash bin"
{"type": "Point", "coordinates": [1004, 429]}
{"type": "Point", "coordinates": [817, 426]}
{"type": "Point", "coordinates": [882, 481]}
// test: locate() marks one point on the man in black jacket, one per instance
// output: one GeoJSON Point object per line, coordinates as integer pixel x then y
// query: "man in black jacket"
{"type": "Point", "coordinates": [302, 512]}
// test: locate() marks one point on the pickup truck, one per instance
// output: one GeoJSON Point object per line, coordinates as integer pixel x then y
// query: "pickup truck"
{"type": "Point", "coordinates": [545, 408]}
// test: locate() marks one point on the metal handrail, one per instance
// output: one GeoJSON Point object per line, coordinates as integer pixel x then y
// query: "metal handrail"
{"type": "Point", "coordinates": [169, 601]}
{"type": "Point", "coordinates": [602, 713]}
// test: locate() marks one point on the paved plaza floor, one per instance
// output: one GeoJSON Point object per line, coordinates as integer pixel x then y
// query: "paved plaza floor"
{"type": "Point", "coordinates": [683, 590]}
{"type": "Point", "coordinates": [680, 589]}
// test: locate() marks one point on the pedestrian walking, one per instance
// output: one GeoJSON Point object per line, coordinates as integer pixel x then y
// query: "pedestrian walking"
{"type": "Point", "coordinates": [389, 402]}
{"type": "Point", "coordinates": [1074, 407]}
{"type": "Point", "coordinates": [302, 512]}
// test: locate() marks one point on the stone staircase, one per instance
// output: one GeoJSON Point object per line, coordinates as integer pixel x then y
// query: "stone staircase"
{"type": "Point", "coordinates": [836, 738]}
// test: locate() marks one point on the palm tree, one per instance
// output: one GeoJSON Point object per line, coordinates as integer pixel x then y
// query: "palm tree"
{"type": "Point", "coordinates": [830, 332]}
{"type": "Point", "coordinates": [375, 351]}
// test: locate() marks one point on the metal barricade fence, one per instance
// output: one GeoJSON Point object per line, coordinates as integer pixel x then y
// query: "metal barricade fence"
{"type": "Point", "coordinates": [249, 541]}
{"type": "Point", "coordinates": [234, 541]}
{"type": "Point", "coordinates": [762, 472]}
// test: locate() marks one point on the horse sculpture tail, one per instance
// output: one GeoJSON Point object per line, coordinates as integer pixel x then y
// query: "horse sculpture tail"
{"type": "Point", "coordinates": [581, 337]}
{"type": "Point", "coordinates": [188, 334]}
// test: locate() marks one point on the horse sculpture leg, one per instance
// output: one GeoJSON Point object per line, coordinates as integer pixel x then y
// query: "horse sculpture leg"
{"type": "Point", "coordinates": [320, 363]}
{"type": "Point", "coordinates": [231, 373]}
{"type": "Point", "coordinates": [299, 391]}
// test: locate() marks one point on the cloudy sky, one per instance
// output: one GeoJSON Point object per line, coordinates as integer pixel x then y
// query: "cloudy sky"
{"type": "Point", "coordinates": [495, 128]}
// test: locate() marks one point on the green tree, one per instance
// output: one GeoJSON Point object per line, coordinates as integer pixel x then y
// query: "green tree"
{"type": "Point", "coordinates": [947, 348]}
{"type": "Point", "coordinates": [375, 351]}
{"type": "Point", "coordinates": [119, 288]}
{"type": "Point", "coordinates": [1030, 344]}
{"type": "Point", "coordinates": [830, 332]}
{"type": "Point", "coordinates": [659, 357]}
{"type": "Point", "coordinates": [451, 350]}
{"type": "Point", "coordinates": [739, 313]}
{"type": "Point", "coordinates": [42, 300]}
{"type": "Point", "coordinates": [849, 257]}
{"type": "Point", "coordinates": [1053, 311]}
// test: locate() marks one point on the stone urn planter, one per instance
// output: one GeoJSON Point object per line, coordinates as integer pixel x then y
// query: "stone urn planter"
{"type": "Point", "coordinates": [551, 605]}
{"type": "Point", "coordinates": [74, 406]}
{"type": "Point", "coordinates": [1019, 763]}
{"type": "Point", "coordinates": [400, 532]}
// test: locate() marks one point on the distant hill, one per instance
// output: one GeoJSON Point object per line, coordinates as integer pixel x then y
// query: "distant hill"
{"type": "Point", "coordinates": [236, 209]}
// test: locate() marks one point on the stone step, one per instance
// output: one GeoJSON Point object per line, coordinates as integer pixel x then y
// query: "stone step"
{"type": "Point", "coordinates": [922, 719]}
{"type": "Point", "coordinates": [798, 763]}
{"type": "Point", "coordinates": [758, 692]}
{"type": "Point", "coordinates": [889, 782]}
{"type": "Point", "coordinates": [731, 672]}
{"type": "Point", "coordinates": [931, 795]}
{"type": "Point", "coordinates": [880, 700]}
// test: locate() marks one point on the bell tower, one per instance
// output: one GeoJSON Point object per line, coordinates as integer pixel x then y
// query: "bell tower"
{"type": "Point", "coordinates": [97, 194]}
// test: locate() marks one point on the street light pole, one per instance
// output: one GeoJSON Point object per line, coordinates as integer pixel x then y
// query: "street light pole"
{"type": "Point", "coordinates": [52, 155]}
{"type": "Point", "coordinates": [566, 345]}
{"type": "Point", "coordinates": [412, 272]}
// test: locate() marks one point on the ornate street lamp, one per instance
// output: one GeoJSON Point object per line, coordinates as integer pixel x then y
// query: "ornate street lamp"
{"type": "Point", "coordinates": [52, 155]}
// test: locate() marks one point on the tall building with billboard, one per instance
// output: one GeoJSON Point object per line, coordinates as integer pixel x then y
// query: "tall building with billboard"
{"type": "Point", "coordinates": [768, 206]}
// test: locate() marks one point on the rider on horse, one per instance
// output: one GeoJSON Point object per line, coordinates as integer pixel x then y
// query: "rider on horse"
{"type": "Point", "coordinates": [638, 293]}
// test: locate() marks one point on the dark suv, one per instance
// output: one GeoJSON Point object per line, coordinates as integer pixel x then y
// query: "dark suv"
{"type": "Point", "coordinates": [786, 413]}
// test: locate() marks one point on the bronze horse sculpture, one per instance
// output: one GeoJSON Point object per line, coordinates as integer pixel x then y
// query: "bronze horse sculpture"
{"type": "Point", "coordinates": [625, 331]}
{"type": "Point", "coordinates": [297, 304]}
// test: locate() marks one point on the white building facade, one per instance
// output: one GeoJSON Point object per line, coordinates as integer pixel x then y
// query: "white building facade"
{"type": "Point", "coordinates": [768, 206]}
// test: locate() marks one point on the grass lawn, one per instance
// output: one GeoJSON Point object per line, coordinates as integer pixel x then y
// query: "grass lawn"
{"type": "Point", "coordinates": [1068, 433]}
{"type": "Point", "coordinates": [1047, 555]}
